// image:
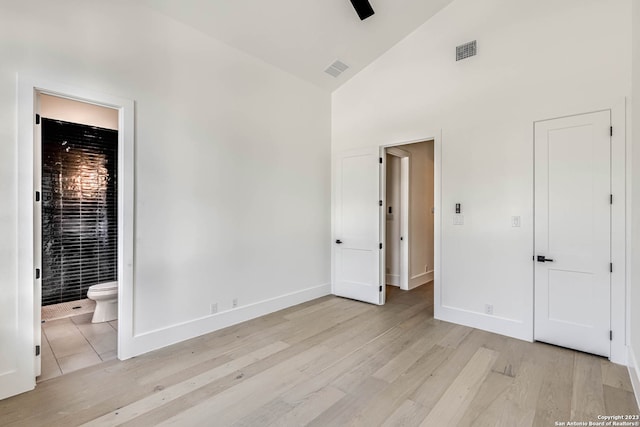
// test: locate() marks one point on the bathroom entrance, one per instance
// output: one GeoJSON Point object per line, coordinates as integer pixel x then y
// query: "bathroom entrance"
{"type": "Point", "coordinates": [78, 234]}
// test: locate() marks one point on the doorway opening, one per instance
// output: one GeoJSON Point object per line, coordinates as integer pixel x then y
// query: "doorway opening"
{"type": "Point", "coordinates": [408, 218]}
{"type": "Point", "coordinates": [76, 233]}
{"type": "Point", "coordinates": [23, 353]}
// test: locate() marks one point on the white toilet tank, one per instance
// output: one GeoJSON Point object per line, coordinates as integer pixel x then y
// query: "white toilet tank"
{"type": "Point", "coordinates": [103, 288]}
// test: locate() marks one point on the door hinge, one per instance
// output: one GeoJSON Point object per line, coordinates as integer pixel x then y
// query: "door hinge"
{"type": "Point", "coordinates": [37, 273]}
{"type": "Point", "coordinates": [37, 196]}
{"type": "Point", "coordinates": [380, 245]}
{"type": "Point", "coordinates": [380, 203]}
{"type": "Point", "coordinates": [380, 288]}
{"type": "Point", "coordinates": [380, 160]}
{"type": "Point", "coordinates": [610, 199]}
{"type": "Point", "coordinates": [610, 267]}
{"type": "Point", "coordinates": [37, 119]}
{"type": "Point", "coordinates": [610, 130]}
{"type": "Point", "coordinates": [610, 335]}
{"type": "Point", "coordinates": [37, 350]}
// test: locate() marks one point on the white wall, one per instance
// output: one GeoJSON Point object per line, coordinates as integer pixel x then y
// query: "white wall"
{"type": "Point", "coordinates": [634, 333]}
{"type": "Point", "coordinates": [232, 162]}
{"type": "Point", "coordinates": [68, 110]}
{"type": "Point", "coordinates": [537, 60]}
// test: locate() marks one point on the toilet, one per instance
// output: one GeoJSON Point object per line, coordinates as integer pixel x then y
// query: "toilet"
{"type": "Point", "coordinates": [106, 297]}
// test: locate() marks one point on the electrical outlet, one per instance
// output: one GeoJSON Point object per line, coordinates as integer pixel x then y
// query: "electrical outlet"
{"type": "Point", "coordinates": [458, 219]}
{"type": "Point", "coordinates": [515, 221]}
{"type": "Point", "coordinates": [426, 268]}
{"type": "Point", "coordinates": [488, 309]}
{"type": "Point", "coordinates": [235, 302]}
{"type": "Point", "coordinates": [214, 308]}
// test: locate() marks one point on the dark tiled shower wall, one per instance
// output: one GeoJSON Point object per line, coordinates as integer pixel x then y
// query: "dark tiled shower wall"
{"type": "Point", "coordinates": [79, 209]}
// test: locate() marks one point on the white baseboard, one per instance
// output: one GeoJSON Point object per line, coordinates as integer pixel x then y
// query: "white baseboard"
{"type": "Point", "coordinates": [496, 324]}
{"type": "Point", "coordinates": [420, 279]}
{"type": "Point", "coordinates": [634, 374]}
{"type": "Point", "coordinates": [153, 340]}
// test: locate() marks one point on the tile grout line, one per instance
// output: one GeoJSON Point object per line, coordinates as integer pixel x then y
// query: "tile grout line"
{"type": "Point", "coordinates": [87, 340]}
{"type": "Point", "coordinates": [91, 345]}
{"type": "Point", "coordinates": [44, 335]}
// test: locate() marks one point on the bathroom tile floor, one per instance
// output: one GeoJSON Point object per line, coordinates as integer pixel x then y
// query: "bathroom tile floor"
{"type": "Point", "coordinates": [74, 343]}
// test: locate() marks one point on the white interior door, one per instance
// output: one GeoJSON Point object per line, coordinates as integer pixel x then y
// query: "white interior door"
{"type": "Point", "coordinates": [357, 249]}
{"type": "Point", "coordinates": [572, 232]}
{"type": "Point", "coordinates": [18, 317]}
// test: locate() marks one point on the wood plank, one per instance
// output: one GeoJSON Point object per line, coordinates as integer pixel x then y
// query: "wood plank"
{"type": "Point", "coordinates": [400, 363]}
{"type": "Point", "coordinates": [164, 396]}
{"type": "Point", "coordinates": [484, 409]}
{"type": "Point", "coordinates": [333, 365]}
{"type": "Point", "coordinates": [616, 376]}
{"type": "Point", "coordinates": [230, 405]}
{"type": "Point", "coordinates": [588, 396]}
{"type": "Point", "coordinates": [435, 385]}
{"type": "Point", "coordinates": [311, 309]}
{"type": "Point", "coordinates": [455, 336]}
{"type": "Point", "coordinates": [339, 413]}
{"type": "Point", "coordinates": [618, 400]}
{"type": "Point", "coordinates": [554, 400]}
{"type": "Point", "coordinates": [409, 413]}
{"type": "Point", "coordinates": [397, 392]}
{"type": "Point", "coordinates": [459, 395]}
{"type": "Point", "coordinates": [309, 407]}
{"type": "Point", "coordinates": [265, 414]}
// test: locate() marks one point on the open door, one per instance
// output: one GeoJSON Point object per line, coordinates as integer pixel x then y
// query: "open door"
{"type": "Point", "coordinates": [357, 245]}
{"type": "Point", "coordinates": [20, 349]}
{"type": "Point", "coordinates": [17, 362]}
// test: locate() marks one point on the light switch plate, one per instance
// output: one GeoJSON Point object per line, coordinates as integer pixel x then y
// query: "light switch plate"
{"type": "Point", "coordinates": [515, 221]}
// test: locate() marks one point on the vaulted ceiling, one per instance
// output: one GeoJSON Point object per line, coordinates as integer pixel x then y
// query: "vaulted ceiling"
{"type": "Point", "coordinates": [304, 37]}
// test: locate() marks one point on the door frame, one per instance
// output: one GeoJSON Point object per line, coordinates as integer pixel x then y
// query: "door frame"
{"type": "Point", "coordinates": [28, 89]}
{"type": "Point", "coordinates": [436, 137]}
{"type": "Point", "coordinates": [620, 217]}
{"type": "Point", "coordinates": [405, 214]}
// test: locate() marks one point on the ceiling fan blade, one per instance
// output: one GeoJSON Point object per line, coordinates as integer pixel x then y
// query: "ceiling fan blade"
{"type": "Point", "coordinates": [363, 8]}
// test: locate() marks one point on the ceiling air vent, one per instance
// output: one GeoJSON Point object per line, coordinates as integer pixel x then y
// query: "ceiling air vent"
{"type": "Point", "coordinates": [336, 68]}
{"type": "Point", "coordinates": [466, 50]}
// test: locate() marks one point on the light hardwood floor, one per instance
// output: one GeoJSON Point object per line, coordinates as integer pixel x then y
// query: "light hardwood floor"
{"type": "Point", "coordinates": [336, 362]}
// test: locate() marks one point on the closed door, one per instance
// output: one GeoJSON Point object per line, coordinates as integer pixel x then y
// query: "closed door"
{"type": "Point", "coordinates": [572, 232]}
{"type": "Point", "coordinates": [357, 226]}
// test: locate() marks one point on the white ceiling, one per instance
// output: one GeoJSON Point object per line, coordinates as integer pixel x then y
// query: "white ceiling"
{"type": "Point", "coordinates": [304, 37]}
